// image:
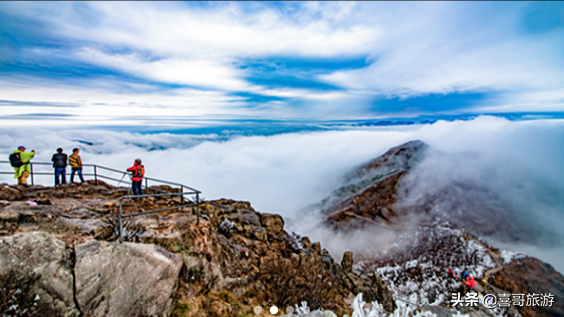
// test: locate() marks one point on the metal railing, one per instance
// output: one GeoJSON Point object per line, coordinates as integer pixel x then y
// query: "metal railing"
{"type": "Point", "coordinates": [121, 215]}
{"type": "Point", "coordinates": [97, 175]}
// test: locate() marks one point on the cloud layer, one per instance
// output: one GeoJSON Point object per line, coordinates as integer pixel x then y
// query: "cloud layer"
{"type": "Point", "coordinates": [519, 162]}
{"type": "Point", "coordinates": [311, 59]}
{"type": "Point", "coordinates": [284, 172]}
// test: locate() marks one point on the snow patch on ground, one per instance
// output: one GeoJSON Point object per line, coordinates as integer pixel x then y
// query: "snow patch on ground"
{"type": "Point", "coordinates": [376, 310]}
{"type": "Point", "coordinates": [508, 256]}
{"type": "Point", "coordinates": [361, 309]}
{"type": "Point", "coordinates": [421, 278]}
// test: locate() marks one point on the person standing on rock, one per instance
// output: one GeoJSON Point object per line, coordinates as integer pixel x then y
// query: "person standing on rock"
{"type": "Point", "coordinates": [20, 162]}
{"type": "Point", "coordinates": [138, 171]}
{"type": "Point", "coordinates": [60, 164]}
{"type": "Point", "coordinates": [76, 164]}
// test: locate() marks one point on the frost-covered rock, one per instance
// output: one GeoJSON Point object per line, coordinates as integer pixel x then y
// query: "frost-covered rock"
{"type": "Point", "coordinates": [361, 309]}
{"type": "Point", "coordinates": [317, 313]}
{"type": "Point", "coordinates": [294, 241]}
{"type": "Point", "coordinates": [418, 274]}
{"type": "Point", "coordinates": [508, 256]}
{"type": "Point", "coordinates": [226, 226]}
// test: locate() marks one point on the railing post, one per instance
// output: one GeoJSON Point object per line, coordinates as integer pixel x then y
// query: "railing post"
{"type": "Point", "coordinates": [31, 170]}
{"type": "Point", "coordinates": [146, 184]}
{"type": "Point", "coordinates": [120, 222]}
{"type": "Point", "coordinates": [182, 195]}
{"type": "Point", "coordinates": [197, 209]}
{"type": "Point", "coordinates": [96, 177]}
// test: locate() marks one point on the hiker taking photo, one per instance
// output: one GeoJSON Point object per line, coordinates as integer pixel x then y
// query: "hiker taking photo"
{"type": "Point", "coordinates": [60, 164]}
{"type": "Point", "coordinates": [20, 162]}
{"type": "Point", "coordinates": [76, 164]}
{"type": "Point", "coordinates": [138, 171]}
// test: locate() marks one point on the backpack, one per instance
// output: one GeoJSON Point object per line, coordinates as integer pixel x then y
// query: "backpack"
{"type": "Point", "coordinates": [140, 171]}
{"type": "Point", "coordinates": [16, 160]}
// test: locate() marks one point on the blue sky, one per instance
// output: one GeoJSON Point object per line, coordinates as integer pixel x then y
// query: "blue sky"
{"type": "Point", "coordinates": [100, 62]}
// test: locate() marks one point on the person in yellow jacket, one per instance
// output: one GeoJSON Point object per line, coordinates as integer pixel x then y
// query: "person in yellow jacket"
{"type": "Point", "coordinates": [22, 172]}
{"type": "Point", "coordinates": [76, 165]}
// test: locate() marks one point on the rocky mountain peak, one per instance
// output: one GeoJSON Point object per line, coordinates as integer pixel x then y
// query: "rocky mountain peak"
{"type": "Point", "coordinates": [395, 161]}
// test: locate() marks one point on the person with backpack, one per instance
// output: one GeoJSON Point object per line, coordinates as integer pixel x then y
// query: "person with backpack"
{"type": "Point", "coordinates": [20, 162]}
{"type": "Point", "coordinates": [60, 164]}
{"type": "Point", "coordinates": [76, 164]}
{"type": "Point", "coordinates": [138, 171]}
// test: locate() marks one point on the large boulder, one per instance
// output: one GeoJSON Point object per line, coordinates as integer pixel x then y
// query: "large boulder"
{"type": "Point", "coordinates": [128, 279]}
{"type": "Point", "coordinates": [37, 265]}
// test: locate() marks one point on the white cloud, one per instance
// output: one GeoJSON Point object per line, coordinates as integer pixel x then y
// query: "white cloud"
{"type": "Point", "coordinates": [305, 94]}
{"type": "Point", "coordinates": [168, 30]}
{"type": "Point", "coordinates": [502, 67]}
{"type": "Point", "coordinates": [178, 44]}
{"type": "Point", "coordinates": [100, 102]}
{"type": "Point", "coordinates": [199, 73]}
{"type": "Point", "coordinates": [454, 47]}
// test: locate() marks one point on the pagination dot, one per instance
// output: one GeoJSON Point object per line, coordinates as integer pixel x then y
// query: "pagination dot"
{"type": "Point", "coordinates": [273, 310]}
{"type": "Point", "coordinates": [289, 310]}
{"type": "Point", "coordinates": [257, 310]}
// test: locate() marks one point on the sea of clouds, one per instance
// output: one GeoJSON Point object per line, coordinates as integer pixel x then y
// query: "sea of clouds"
{"type": "Point", "coordinates": [284, 173]}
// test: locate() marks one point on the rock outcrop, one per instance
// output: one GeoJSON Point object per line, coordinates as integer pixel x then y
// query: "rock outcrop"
{"type": "Point", "coordinates": [38, 265]}
{"type": "Point", "coordinates": [128, 279]}
{"type": "Point", "coordinates": [233, 260]}
{"type": "Point", "coordinates": [107, 279]}
{"type": "Point", "coordinates": [11, 192]}
{"type": "Point", "coordinates": [256, 261]}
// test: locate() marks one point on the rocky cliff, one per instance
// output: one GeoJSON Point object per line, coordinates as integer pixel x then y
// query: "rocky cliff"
{"type": "Point", "coordinates": [59, 257]}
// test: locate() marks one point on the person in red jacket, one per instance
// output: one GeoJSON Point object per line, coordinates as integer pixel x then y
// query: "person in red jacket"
{"type": "Point", "coordinates": [470, 282]}
{"type": "Point", "coordinates": [138, 171]}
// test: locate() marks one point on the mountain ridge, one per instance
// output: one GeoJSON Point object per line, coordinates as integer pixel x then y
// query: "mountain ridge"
{"type": "Point", "coordinates": [415, 242]}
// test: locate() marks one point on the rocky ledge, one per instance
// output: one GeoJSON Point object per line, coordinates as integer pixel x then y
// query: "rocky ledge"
{"type": "Point", "coordinates": [59, 257]}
